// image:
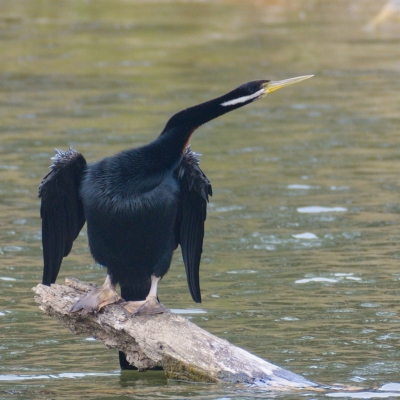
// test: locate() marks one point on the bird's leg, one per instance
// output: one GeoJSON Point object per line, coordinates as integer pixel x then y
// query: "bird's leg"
{"type": "Point", "coordinates": [149, 306]}
{"type": "Point", "coordinates": [97, 298]}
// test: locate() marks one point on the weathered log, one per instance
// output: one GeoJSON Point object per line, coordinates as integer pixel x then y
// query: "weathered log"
{"type": "Point", "coordinates": [184, 350]}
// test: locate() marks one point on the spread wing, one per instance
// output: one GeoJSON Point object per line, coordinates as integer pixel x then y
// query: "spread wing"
{"type": "Point", "coordinates": [194, 191]}
{"type": "Point", "coordinates": [61, 210]}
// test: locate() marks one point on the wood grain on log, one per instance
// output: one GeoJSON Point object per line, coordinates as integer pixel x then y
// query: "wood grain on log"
{"type": "Point", "coordinates": [184, 350]}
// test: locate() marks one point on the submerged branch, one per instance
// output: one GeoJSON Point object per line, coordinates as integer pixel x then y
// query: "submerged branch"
{"type": "Point", "coordinates": [184, 350]}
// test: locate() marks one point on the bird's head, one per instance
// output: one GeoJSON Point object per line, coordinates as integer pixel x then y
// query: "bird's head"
{"type": "Point", "coordinates": [254, 90]}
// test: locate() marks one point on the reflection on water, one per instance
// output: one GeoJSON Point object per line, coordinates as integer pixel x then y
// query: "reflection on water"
{"type": "Point", "coordinates": [300, 263]}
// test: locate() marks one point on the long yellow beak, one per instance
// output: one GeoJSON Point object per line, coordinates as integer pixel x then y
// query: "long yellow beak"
{"type": "Point", "coordinates": [276, 85]}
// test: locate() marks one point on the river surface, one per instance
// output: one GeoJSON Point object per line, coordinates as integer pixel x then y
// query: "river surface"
{"type": "Point", "coordinates": [301, 254]}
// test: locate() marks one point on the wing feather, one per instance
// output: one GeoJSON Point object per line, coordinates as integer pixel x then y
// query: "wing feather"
{"type": "Point", "coordinates": [61, 210]}
{"type": "Point", "coordinates": [194, 191]}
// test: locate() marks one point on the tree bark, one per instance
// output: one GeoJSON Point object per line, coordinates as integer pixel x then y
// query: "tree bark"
{"type": "Point", "coordinates": [184, 350]}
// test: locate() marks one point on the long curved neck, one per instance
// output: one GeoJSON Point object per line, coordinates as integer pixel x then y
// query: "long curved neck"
{"type": "Point", "coordinates": [181, 126]}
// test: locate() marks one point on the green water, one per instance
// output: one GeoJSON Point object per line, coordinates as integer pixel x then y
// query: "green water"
{"type": "Point", "coordinates": [315, 290]}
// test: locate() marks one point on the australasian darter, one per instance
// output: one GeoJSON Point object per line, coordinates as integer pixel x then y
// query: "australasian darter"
{"type": "Point", "coordinates": [139, 205]}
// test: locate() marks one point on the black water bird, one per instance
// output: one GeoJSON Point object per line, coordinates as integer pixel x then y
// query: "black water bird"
{"type": "Point", "coordinates": [139, 205]}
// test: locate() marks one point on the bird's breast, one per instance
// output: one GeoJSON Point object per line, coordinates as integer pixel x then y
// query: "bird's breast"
{"type": "Point", "coordinates": [129, 196]}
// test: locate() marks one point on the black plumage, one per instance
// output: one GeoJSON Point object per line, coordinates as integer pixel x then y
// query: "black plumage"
{"type": "Point", "coordinates": [103, 194]}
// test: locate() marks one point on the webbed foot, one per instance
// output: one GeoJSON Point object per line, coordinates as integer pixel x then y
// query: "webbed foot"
{"type": "Point", "coordinates": [96, 299]}
{"type": "Point", "coordinates": [150, 306]}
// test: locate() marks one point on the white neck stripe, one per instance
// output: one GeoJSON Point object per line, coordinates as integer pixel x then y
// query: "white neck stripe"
{"type": "Point", "coordinates": [243, 99]}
